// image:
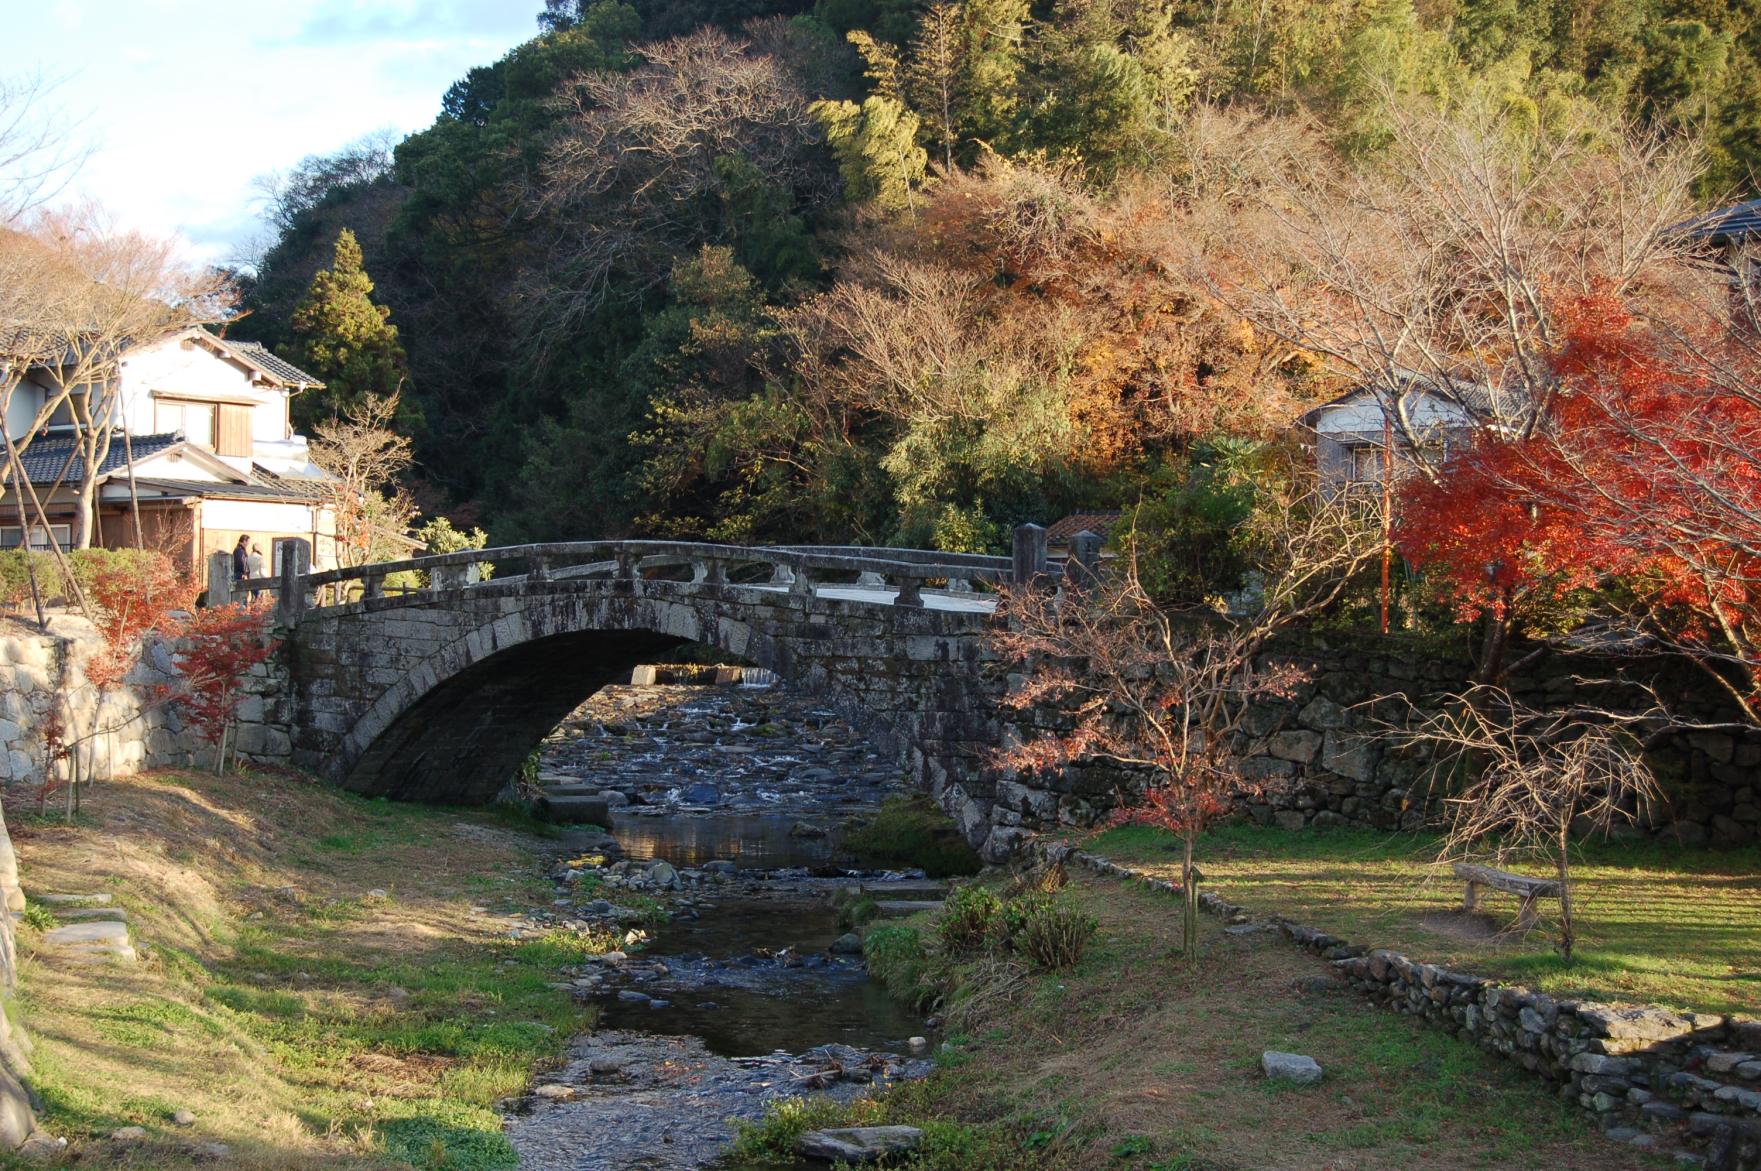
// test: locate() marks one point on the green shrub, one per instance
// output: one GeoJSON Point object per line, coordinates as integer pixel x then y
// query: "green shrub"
{"type": "Point", "coordinates": [1053, 936]}
{"type": "Point", "coordinates": [855, 909]}
{"type": "Point", "coordinates": [37, 917]}
{"type": "Point", "coordinates": [969, 919]}
{"type": "Point", "coordinates": [897, 958]}
{"type": "Point", "coordinates": [84, 566]}
{"type": "Point", "coordinates": [908, 832]}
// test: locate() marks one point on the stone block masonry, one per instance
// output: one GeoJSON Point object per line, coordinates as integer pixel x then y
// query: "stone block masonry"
{"type": "Point", "coordinates": [1319, 757]}
{"type": "Point", "coordinates": [43, 685]}
{"type": "Point", "coordinates": [441, 696]}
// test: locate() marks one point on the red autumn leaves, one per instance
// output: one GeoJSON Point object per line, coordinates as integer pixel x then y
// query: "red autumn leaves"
{"type": "Point", "coordinates": [1640, 475]}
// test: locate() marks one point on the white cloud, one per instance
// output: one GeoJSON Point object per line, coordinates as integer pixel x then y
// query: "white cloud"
{"type": "Point", "coordinates": [187, 101]}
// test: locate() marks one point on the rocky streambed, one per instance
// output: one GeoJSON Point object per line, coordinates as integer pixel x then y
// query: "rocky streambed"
{"type": "Point", "coordinates": [733, 984]}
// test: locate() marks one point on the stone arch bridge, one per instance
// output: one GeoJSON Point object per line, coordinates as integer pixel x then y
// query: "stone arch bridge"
{"type": "Point", "coordinates": [438, 692]}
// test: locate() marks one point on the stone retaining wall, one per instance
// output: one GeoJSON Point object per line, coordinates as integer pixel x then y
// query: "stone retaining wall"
{"type": "Point", "coordinates": [1653, 1078]}
{"type": "Point", "coordinates": [1318, 755]}
{"type": "Point", "coordinates": [42, 678]}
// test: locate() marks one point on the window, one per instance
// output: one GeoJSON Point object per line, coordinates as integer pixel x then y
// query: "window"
{"type": "Point", "coordinates": [1366, 464]}
{"type": "Point", "coordinates": [63, 535]}
{"type": "Point", "coordinates": [195, 420]}
{"type": "Point", "coordinates": [235, 431]}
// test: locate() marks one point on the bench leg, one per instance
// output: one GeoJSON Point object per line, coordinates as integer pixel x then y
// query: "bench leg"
{"type": "Point", "coordinates": [1470, 898]}
{"type": "Point", "coordinates": [1525, 918]}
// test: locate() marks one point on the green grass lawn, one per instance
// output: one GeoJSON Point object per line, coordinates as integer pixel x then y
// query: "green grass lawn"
{"type": "Point", "coordinates": [1656, 924]}
{"type": "Point", "coordinates": [1132, 1061]}
{"type": "Point", "coordinates": [325, 981]}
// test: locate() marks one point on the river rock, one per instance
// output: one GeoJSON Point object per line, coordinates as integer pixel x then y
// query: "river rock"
{"type": "Point", "coordinates": [847, 944]}
{"type": "Point", "coordinates": [662, 875]}
{"type": "Point", "coordinates": [857, 1144]}
{"type": "Point", "coordinates": [1290, 1067]}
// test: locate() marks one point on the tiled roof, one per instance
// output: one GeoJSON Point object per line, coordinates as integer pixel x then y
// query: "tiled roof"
{"type": "Point", "coordinates": [45, 458]}
{"type": "Point", "coordinates": [293, 487]}
{"type": "Point", "coordinates": [211, 488]}
{"type": "Point", "coordinates": [1737, 222]}
{"type": "Point", "coordinates": [1061, 530]}
{"type": "Point", "coordinates": [258, 355]}
{"type": "Point", "coordinates": [1472, 397]}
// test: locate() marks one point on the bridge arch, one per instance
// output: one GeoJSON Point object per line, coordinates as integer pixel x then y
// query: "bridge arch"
{"type": "Point", "coordinates": [439, 693]}
{"type": "Point", "coordinates": [461, 718]}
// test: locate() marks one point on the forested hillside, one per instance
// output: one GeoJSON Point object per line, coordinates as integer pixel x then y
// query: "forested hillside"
{"type": "Point", "coordinates": [880, 270]}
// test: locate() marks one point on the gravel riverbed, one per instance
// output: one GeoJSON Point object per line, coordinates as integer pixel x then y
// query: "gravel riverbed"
{"type": "Point", "coordinates": [734, 985]}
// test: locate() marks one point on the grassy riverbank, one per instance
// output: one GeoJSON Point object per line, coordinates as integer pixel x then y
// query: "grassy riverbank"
{"type": "Point", "coordinates": [1656, 923]}
{"type": "Point", "coordinates": [1130, 1061]}
{"type": "Point", "coordinates": [324, 982]}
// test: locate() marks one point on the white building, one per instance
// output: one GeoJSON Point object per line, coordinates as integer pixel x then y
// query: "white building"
{"type": "Point", "coordinates": [203, 431]}
{"type": "Point", "coordinates": [1360, 432]}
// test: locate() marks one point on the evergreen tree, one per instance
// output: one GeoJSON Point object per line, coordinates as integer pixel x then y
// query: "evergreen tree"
{"type": "Point", "coordinates": [876, 145]}
{"type": "Point", "coordinates": [993, 58]}
{"type": "Point", "coordinates": [344, 338]}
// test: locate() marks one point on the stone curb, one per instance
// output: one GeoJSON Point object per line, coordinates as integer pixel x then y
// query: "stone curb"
{"type": "Point", "coordinates": [1640, 1069]}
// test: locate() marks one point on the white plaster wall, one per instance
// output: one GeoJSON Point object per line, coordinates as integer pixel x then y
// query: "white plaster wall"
{"type": "Point", "coordinates": [197, 372]}
{"type": "Point", "coordinates": [252, 516]}
{"type": "Point", "coordinates": [27, 399]}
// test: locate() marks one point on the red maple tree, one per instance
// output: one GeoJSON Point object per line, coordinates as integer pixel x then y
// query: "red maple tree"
{"type": "Point", "coordinates": [1645, 472]}
{"type": "Point", "coordinates": [132, 597]}
{"type": "Point", "coordinates": [217, 648]}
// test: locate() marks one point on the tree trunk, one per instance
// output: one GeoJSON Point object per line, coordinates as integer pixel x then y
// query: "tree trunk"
{"type": "Point", "coordinates": [1189, 909]}
{"type": "Point", "coordinates": [1567, 933]}
{"type": "Point", "coordinates": [86, 511]}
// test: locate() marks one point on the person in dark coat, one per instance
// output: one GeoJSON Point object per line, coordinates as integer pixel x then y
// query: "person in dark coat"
{"type": "Point", "coordinates": [241, 558]}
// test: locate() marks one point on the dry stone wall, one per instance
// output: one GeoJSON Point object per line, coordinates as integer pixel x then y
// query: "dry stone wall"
{"type": "Point", "coordinates": [1656, 1079]}
{"type": "Point", "coordinates": [1319, 757]}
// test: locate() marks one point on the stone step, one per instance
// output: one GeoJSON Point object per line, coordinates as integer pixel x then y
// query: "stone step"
{"type": "Point", "coordinates": [909, 888]}
{"type": "Point", "coordinates": [1729, 1063]}
{"type": "Point", "coordinates": [71, 900]}
{"type": "Point", "coordinates": [91, 940]}
{"type": "Point", "coordinates": [899, 908]}
{"type": "Point", "coordinates": [575, 810]}
{"type": "Point", "coordinates": [90, 914]}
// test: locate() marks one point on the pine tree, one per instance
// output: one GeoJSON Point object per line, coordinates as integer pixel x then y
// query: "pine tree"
{"type": "Point", "coordinates": [344, 338]}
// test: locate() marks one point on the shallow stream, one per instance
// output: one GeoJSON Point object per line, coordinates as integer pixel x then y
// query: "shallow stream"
{"type": "Point", "coordinates": [727, 804]}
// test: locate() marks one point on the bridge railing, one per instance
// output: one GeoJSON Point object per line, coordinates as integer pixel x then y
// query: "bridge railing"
{"type": "Point", "coordinates": [909, 574]}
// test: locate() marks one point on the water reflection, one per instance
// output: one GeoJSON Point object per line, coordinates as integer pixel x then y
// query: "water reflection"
{"type": "Point", "coordinates": [743, 1009]}
{"type": "Point", "coordinates": [757, 841]}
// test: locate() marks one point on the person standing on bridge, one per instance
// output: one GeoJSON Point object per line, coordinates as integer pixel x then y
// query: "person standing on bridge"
{"type": "Point", "coordinates": [259, 569]}
{"type": "Point", "coordinates": [241, 559]}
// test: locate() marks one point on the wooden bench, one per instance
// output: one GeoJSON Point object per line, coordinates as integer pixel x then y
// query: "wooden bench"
{"type": "Point", "coordinates": [1526, 889]}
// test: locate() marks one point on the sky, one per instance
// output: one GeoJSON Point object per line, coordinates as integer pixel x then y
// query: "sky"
{"type": "Point", "coordinates": [183, 103]}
